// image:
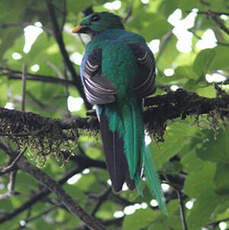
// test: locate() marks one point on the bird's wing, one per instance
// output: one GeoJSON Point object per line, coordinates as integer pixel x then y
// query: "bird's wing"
{"type": "Point", "coordinates": [98, 89]}
{"type": "Point", "coordinates": [144, 83]}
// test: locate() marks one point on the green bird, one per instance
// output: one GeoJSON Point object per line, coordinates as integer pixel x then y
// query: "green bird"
{"type": "Point", "coordinates": [117, 72]}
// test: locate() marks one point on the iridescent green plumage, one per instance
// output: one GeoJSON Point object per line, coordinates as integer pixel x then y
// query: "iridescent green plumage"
{"type": "Point", "coordinates": [117, 72]}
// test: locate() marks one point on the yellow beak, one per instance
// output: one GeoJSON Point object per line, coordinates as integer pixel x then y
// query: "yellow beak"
{"type": "Point", "coordinates": [77, 29]}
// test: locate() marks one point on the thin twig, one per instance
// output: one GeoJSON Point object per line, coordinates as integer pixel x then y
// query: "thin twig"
{"type": "Point", "coordinates": [198, 37]}
{"type": "Point", "coordinates": [14, 24]}
{"type": "Point", "coordinates": [129, 11]}
{"type": "Point", "coordinates": [205, 3]}
{"type": "Point", "coordinates": [67, 94]}
{"type": "Point", "coordinates": [23, 25]}
{"type": "Point", "coordinates": [24, 70]}
{"type": "Point", "coordinates": [212, 11]}
{"type": "Point", "coordinates": [58, 72]}
{"type": "Point", "coordinates": [218, 22]}
{"type": "Point", "coordinates": [12, 165]}
{"type": "Point", "coordinates": [182, 211]}
{"type": "Point", "coordinates": [216, 223]}
{"type": "Point", "coordinates": [14, 74]}
{"type": "Point", "coordinates": [163, 43]}
{"type": "Point", "coordinates": [64, 16]}
{"type": "Point", "coordinates": [6, 147]}
{"type": "Point", "coordinates": [10, 186]}
{"type": "Point", "coordinates": [30, 219]}
{"type": "Point", "coordinates": [100, 201]}
{"type": "Point", "coordinates": [214, 15]}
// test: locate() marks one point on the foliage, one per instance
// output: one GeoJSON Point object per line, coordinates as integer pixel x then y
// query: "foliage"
{"type": "Point", "coordinates": [193, 158]}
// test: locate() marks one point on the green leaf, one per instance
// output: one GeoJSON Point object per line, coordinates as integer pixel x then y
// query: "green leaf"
{"type": "Point", "coordinates": [209, 91]}
{"type": "Point", "coordinates": [221, 179]}
{"type": "Point", "coordinates": [191, 163]}
{"type": "Point", "coordinates": [177, 136]}
{"type": "Point", "coordinates": [203, 61]}
{"type": "Point", "coordinates": [221, 59]}
{"type": "Point", "coordinates": [168, 54]}
{"type": "Point", "coordinates": [173, 218]}
{"type": "Point", "coordinates": [214, 148]}
{"type": "Point", "coordinates": [80, 5]}
{"type": "Point", "coordinates": [140, 219]}
{"type": "Point", "coordinates": [199, 185]}
{"type": "Point", "coordinates": [7, 38]}
{"type": "Point", "coordinates": [185, 72]}
{"type": "Point", "coordinates": [200, 214]}
{"type": "Point", "coordinates": [107, 210]}
{"type": "Point", "coordinates": [187, 4]}
{"type": "Point", "coordinates": [167, 7]}
{"type": "Point", "coordinates": [200, 181]}
{"type": "Point", "coordinates": [151, 26]}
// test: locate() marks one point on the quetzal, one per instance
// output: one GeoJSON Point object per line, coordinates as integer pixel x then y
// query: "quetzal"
{"type": "Point", "coordinates": [117, 72]}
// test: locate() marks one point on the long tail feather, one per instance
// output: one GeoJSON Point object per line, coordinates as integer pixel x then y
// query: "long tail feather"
{"type": "Point", "coordinates": [131, 138]}
{"type": "Point", "coordinates": [138, 154]}
{"type": "Point", "coordinates": [152, 178]}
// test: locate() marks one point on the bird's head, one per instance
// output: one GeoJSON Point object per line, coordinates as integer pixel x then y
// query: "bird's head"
{"type": "Point", "coordinates": [98, 22]}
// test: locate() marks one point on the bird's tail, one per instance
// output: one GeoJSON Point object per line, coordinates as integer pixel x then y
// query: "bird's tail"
{"type": "Point", "coordinates": [124, 146]}
{"type": "Point", "coordinates": [137, 153]}
{"type": "Point", "coordinates": [113, 145]}
{"type": "Point", "coordinates": [133, 134]}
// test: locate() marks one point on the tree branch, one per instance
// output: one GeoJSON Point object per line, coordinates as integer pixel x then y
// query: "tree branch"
{"type": "Point", "coordinates": [17, 75]}
{"type": "Point", "coordinates": [159, 109]}
{"type": "Point", "coordinates": [218, 21]}
{"type": "Point", "coordinates": [182, 212]}
{"type": "Point", "coordinates": [198, 37]}
{"type": "Point", "coordinates": [182, 103]}
{"type": "Point", "coordinates": [103, 197]}
{"type": "Point", "coordinates": [129, 11]}
{"type": "Point", "coordinates": [214, 16]}
{"type": "Point", "coordinates": [62, 196]}
{"type": "Point", "coordinates": [216, 223]}
{"type": "Point", "coordinates": [163, 43]}
{"type": "Point", "coordinates": [10, 186]}
{"type": "Point", "coordinates": [24, 70]}
{"type": "Point", "coordinates": [83, 162]}
{"type": "Point", "coordinates": [12, 165]}
{"type": "Point", "coordinates": [43, 213]}
{"type": "Point", "coordinates": [205, 3]}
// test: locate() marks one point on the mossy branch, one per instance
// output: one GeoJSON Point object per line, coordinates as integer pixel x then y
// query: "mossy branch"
{"type": "Point", "coordinates": [158, 110]}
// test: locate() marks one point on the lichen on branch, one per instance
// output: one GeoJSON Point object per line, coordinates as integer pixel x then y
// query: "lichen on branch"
{"type": "Point", "coordinates": [41, 135]}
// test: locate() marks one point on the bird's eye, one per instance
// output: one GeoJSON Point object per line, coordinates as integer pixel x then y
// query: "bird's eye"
{"type": "Point", "coordinates": [95, 18]}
